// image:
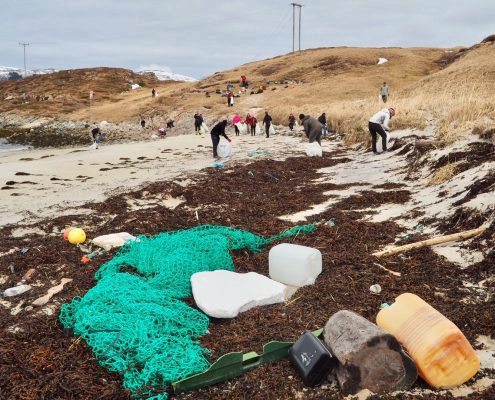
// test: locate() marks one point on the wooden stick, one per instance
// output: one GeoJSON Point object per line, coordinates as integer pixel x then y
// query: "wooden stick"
{"type": "Point", "coordinates": [430, 242]}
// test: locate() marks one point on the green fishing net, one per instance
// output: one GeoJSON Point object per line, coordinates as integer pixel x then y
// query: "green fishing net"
{"type": "Point", "coordinates": [134, 320]}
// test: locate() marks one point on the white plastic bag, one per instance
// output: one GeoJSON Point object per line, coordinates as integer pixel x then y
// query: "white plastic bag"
{"type": "Point", "coordinates": [203, 129]}
{"type": "Point", "coordinates": [271, 130]}
{"type": "Point", "coordinates": [379, 147]}
{"type": "Point", "coordinates": [314, 150]}
{"type": "Point", "coordinates": [224, 148]}
{"type": "Point", "coordinates": [258, 129]}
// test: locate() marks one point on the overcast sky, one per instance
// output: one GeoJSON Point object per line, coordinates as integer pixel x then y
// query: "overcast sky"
{"type": "Point", "coordinates": [197, 38]}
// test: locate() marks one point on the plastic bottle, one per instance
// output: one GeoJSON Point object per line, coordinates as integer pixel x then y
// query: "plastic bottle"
{"type": "Point", "coordinates": [14, 291]}
{"type": "Point", "coordinates": [441, 352]}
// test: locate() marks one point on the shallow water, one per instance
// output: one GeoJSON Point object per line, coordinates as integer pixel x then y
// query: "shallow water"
{"type": "Point", "coordinates": [6, 147]}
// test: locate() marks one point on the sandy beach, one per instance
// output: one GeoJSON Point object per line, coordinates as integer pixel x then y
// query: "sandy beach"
{"type": "Point", "coordinates": [47, 182]}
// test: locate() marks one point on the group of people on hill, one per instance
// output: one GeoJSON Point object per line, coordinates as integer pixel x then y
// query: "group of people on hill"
{"type": "Point", "coordinates": [314, 128]}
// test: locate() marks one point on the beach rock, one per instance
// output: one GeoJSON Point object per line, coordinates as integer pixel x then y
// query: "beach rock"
{"type": "Point", "coordinates": [225, 294]}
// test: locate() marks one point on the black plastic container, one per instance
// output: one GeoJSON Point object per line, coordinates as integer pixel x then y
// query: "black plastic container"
{"type": "Point", "coordinates": [312, 359]}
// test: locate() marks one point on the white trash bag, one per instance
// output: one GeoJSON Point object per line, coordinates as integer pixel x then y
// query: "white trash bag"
{"type": "Point", "coordinates": [224, 148]}
{"type": "Point", "coordinates": [271, 130]}
{"type": "Point", "coordinates": [314, 150]}
{"type": "Point", "coordinates": [379, 147]}
{"type": "Point", "coordinates": [203, 129]}
{"type": "Point", "coordinates": [258, 129]}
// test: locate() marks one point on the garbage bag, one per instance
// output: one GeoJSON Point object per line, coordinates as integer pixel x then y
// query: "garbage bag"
{"type": "Point", "coordinates": [203, 129]}
{"type": "Point", "coordinates": [258, 129]}
{"type": "Point", "coordinates": [224, 148]}
{"type": "Point", "coordinates": [271, 130]}
{"type": "Point", "coordinates": [314, 150]}
{"type": "Point", "coordinates": [379, 147]}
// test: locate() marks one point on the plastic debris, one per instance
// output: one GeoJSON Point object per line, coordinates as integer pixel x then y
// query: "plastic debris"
{"type": "Point", "coordinates": [234, 364]}
{"type": "Point", "coordinates": [24, 250]}
{"type": "Point", "coordinates": [250, 173]}
{"type": "Point", "coordinates": [136, 323]}
{"type": "Point", "coordinates": [312, 359]}
{"type": "Point", "coordinates": [51, 292]}
{"type": "Point", "coordinates": [375, 289]}
{"type": "Point", "coordinates": [225, 294]}
{"type": "Point", "coordinates": [113, 240]}
{"type": "Point", "coordinates": [254, 153]}
{"type": "Point", "coordinates": [15, 291]}
{"type": "Point", "coordinates": [217, 165]}
{"type": "Point", "coordinates": [330, 222]}
{"type": "Point", "coordinates": [294, 265]}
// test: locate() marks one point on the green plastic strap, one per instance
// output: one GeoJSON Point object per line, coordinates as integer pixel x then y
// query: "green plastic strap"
{"type": "Point", "coordinates": [234, 364]}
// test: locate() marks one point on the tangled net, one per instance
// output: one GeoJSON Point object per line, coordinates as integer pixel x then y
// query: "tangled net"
{"type": "Point", "coordinates": [133, 319]}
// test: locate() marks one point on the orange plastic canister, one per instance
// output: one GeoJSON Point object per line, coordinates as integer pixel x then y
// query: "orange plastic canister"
{"type": "Point", "coordinates": [441, 352]}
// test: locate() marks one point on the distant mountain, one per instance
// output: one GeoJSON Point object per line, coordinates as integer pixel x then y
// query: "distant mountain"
{"type": "Point", "coordinates": [7, 73]}
{"type": "Point", "coordinates": [164, 73]}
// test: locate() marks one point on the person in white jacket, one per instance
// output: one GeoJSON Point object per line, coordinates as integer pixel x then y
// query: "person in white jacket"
{"type": "Point", "coordinates": [379, 124]}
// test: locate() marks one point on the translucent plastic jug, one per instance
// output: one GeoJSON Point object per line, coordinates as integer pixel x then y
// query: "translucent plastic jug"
{"type": "Point", "coordinates": [441, 352]}
{"type": "Point", "coordinates": [294, 265]}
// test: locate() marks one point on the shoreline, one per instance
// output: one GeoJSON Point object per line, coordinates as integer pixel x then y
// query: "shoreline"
{"type": "Point", "coordinates": [40, 183]}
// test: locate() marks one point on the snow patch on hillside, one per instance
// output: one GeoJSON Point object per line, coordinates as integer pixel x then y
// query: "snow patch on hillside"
{"type": "Point", "coordinates": [6, 72]}
{"type": "Point", "coordinates": [164, 73]}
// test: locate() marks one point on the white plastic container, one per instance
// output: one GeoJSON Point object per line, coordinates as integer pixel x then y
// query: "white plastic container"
{"type": "Point", "coordinates": [14, 291]}
{"type": "Point", "coordinates": [294, 265]}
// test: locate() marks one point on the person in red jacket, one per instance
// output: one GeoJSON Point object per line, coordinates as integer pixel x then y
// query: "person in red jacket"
{"type": "Point", "coordinates": [247, 121]}
{"type": "Point", "coordinates": [253, 124]}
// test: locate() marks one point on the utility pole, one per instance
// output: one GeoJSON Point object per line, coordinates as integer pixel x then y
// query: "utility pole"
{"type": "Point", "coordinates": [24, 45]}
{"type": "Point", "coordinates": [294, 5]}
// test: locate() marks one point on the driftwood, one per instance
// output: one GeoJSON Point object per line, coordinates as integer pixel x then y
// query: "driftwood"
{"type": "Point", "coordinates": [430, 242]}
{"type": "Point", "coordinates": [369, 357]}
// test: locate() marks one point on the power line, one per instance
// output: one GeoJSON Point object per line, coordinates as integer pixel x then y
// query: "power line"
{"type": "Point", "coordinates": [24, 45]}
{"type": "Point", "coordinates": [294, 5]}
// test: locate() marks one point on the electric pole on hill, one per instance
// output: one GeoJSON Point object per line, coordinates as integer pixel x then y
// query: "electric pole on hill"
{"type": "Point", "coordinates": [24, 45]}
{"type": "Point", "coordinates": [294, 5]}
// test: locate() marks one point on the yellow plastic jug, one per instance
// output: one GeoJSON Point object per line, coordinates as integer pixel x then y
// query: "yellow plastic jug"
{"type": "Point", "coordinates": [441, 352]}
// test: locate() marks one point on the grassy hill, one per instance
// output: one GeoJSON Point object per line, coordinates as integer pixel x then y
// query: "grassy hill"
{"type": "Point", "coordinates": [453, 86]}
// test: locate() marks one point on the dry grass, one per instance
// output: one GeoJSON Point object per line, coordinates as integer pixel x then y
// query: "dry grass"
{"type": "Point", "coordinates": [443, 174]}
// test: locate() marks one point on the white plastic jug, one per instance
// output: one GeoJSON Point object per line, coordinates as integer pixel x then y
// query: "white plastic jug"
{"type": "Point", "coordinates": [294, 265]}
{"type": "Point", "coordinates": [224, 148]}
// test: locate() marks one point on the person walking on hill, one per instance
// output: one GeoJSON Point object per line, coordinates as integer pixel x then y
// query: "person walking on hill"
{"type": "Point", "coordinates": [312, 128]}
{"type": "Point", "coordinates": [143, 123]}
{"type": "Point", "coordinates": [267, 121]}
{"type": "Point", "coordinates": [379, 124]}
{"type": "Point", "coordinates": [236, 120]}
{"type": "Point", "coordinates": [384, 92]}
{"type": "Point", "coordinates": [230, 99]}
{"type": "Point", "coordinates": [253, 124]}
{"type": "Point", "coordinates": [217, 131]}
{"type": "Point", "coordinates": [323, 120]}
{"type": "Point", "coordinates": [292, 121]}
{"type": "Point", "coordinates": [153, 92]}
{"type": "Point", "coordinates": [170, 124]}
